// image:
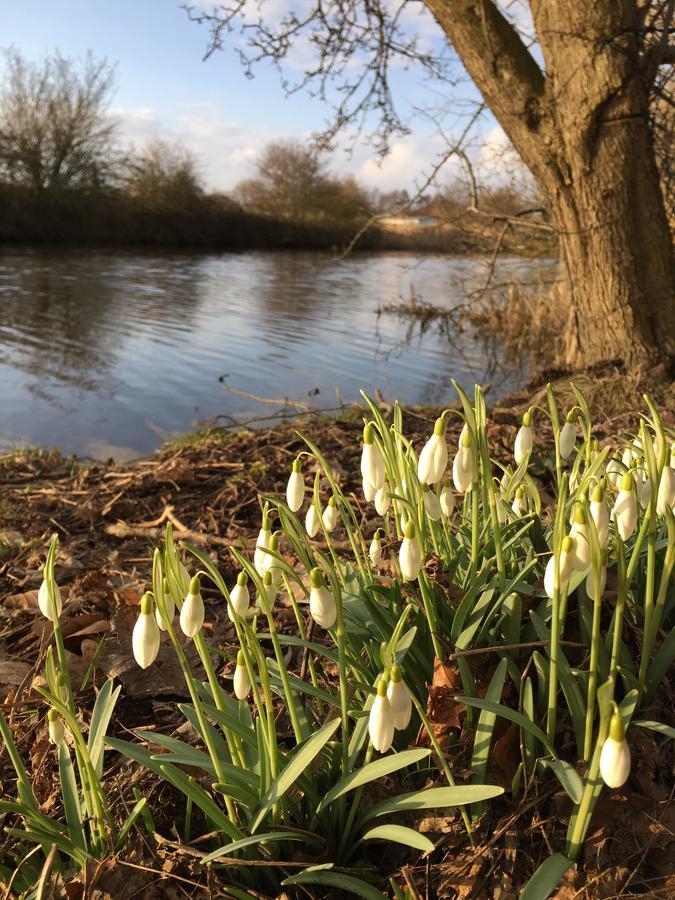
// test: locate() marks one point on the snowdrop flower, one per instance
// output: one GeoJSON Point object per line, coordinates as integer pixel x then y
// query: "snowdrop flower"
{"type": "Point", "coordinates": [271, 562]}
{"type": "Point", "coordinates": [433, 459]}
{"type": "Point", "coordinates": [192, 611]}
{"type": "Point", "coordinates": [410, 554]}
{"type": "Point", "coordinates": [590, 584]}
{"type": "Point", "coordinates": [240, 597]}
{"type": "Point", "coordinates": [665, 499]}
{"type": "Point", "coordinates": [564, 567]}
{"type": "Point", "coordinates": [447, 500]}
{"type": "Point", "coordinates": [382, 500]}
{"type": "Point", "coordinates": [262, 543]}
{"type": "Point", "coordinates": [381, 719]}
{"type": "Point", "coordinates": [330, 515]}
{"type": "Point", "coordinates": [432, 504]}
{"type": "Point", "coordinates": [375, 551]}
{"type": "Point", "coordinates": [615, 755]}
{"type": "Point", "coordinates": [372, 461]}
{"type": "Point", "coordinates": [169, 606]}
{"type": "Point", "coordinates": [266, 601]}
{"type": "Point", "coordinates": [643, 483]}
{"type": "Point", "coordinates": [399, 699]}
{"type": "Point", "coordinates": [625, 512]}
{"type": "Point", "coordinates": [240, 680]}
{"type": "Point", "coordinates": [312, 521]}
{"type": "Point", "coordinates": [614, 470]}
{"type": "Point", "coordinates": [523, 443]}
{"type": "Point", "coordinates": [600, 514]}
{"type": "Point", "coordinates": [369, 491]}
{"type": "Point", "coordinates": [628, 456]}
{"type": "Point", "coordinates": [57, 733]}
{"type": "Point", "coordinates": [45, 601]}
{"type": "Point", "coordinates": [581, 559]}
{"type": "Point", "coordinates": [322, 604]}
{"type": "Point", "coordinates": [519, 505]}
{"type": "Point", "coordinates": [295, 489]}
{"type": "Point", "coordinates": [463, 467]}
{"type": "Point", "coordinates": [502, 516]}
{"type": "Point", "coordinates": [568, 435]}
{"type": "Point", "coordinates": [145, 636]}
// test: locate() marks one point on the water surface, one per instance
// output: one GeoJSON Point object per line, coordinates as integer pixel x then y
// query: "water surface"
{"type": "Point", "coordinates": [109, 354]}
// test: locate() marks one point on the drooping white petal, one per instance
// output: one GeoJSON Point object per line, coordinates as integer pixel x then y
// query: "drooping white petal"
{"type": "Point", "coordinates": [322, 606]}
{"type": "Point", "coordinates": [45, 603]}
{"type": "Point", "coordinates": [375, 551]}
{"type": "Point", "coordinates": [567, 440]}
{"type": "Point", "coordinates": [382, 500]}
{"type": "Point", "coordinates": [145, 639]}
{"type": "Point", "coordinates": [192, 614]}
{"type": "Point", "coordinates": [523, 443]}
{"type": "Point", "coordinates": [410, 558]}
{"type": "Point", "coordinates": [432, 505]}
{"type": "Point", "coordinates": [463, 469]}
{"type": "Point", "coordinates": [447, 500]}
{"type": "Point", "coordinates": [401, 703]}
{"type": "Point", "coordinates": [312, 521]}
{"type": "Point", "coordinates": [433, 460]}
{"type": "Point", "coordinates": [295, 491]}
{"type": "Point", "coordinates": [615, 762]}
{"type": "Point", "coordinates": [381, 724]}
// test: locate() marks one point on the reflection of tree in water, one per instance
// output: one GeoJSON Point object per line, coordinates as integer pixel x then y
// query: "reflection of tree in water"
{"type": "Point", "coordinates": [66, 317]}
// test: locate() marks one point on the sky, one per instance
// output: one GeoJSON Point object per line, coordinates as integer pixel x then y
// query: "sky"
{"type": "Point", "coordinates": [165, 88]}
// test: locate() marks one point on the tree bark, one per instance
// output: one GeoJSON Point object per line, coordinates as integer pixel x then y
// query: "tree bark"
{"type": "Point", "coordinates": [581, 126]}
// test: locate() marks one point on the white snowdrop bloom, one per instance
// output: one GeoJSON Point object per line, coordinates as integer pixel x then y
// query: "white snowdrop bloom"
{"type": "Point", "coordinates": [240, 680]}
{"type": "Point", "coordinates": [266, 602]}
{"type": "Point", "coordinates": [502, 515]}
{"type": "Point", "coordinates": [625, 510]}
{"type": "Point", "coordinates": [600, 514]}
{"type": "Point", "coordinates": [565, 567]}
{"type": "Point", "coordinates": [590, 584]}
{"type": "Point", "coordinates": [465, 430]}
{"type": "Point", "coordinates": [628, 456]}
{"type": "Point", "coordinates": [192, 611]}
{"type": "Point", "coordinates": [240, 597]}
{"type": "Point", "coordinates": [45, 602]}
{"type": "Point", "coordinates": [271, 563]}
{"type": "Point", "coordinates": [330, 515]}
{"type": "Point", "coordinates": [447, 500]}
{"type": "Point", "coordinates": [665, 499]}
{"type": "Point", "coordinates": [568, 436]}
{"type": "Point", "coordinates": [372, 461]}
{"type": "Point", "coordinates": [382, 500]}
{"type": "Point", "coordinates": [369, 491]}
{"type": "Point", "coordinates": [614, 470]}
{"type": "Point", "coordinates": [643, 484]}
{"type": "Point", "coordinates": [381, 719]}
{"type": "Point", "coordinates": [432, 505]}
{"type": "Point", "coordinates": [581, 559]}
{"type": "Point", "coordinates": [322, 606]}
{"type": "Point", "coordinates": [519, 505]}
{"type": "Point", "coordinates": [399, 699]}
{"type": "Point", "coordinates": [295, 489]}
{"type": "Point", "coordinates": [262, 543]}
{"type": "Point", "coordinates": [312, 521]}
{"type": "Point", "coordinates": [463, 465]}
{"type": "Point", "coordinates": [410, 554]}
{"type": "Point", "coordinates": [524, 439]}
{"type": "Point", "coordinates": [145, 636]}
{"type": "Point", "coordinates": [57, 733]}
{"type": "Point", "coordinates": [375, 551]}
{"type": "Point", "coordinates": [615, 755]}
{"type": "Point", "coordinates": [433, 459]}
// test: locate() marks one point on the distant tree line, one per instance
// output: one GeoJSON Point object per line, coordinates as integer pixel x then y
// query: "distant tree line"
{"type": "Point", "coordinates": [64, 178]}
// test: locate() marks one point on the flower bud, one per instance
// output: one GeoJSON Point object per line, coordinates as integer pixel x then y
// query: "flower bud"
{"type": "Point", "coordinates": [463, 467]}
{"type": "Point", "coordinates": [399, 699]}
{"type": "Point", "coordinates": [322, 606]}
{"type": "Point", "coordinates": [295, 489]}
{"type": "Point", "coordinates": [372, 462]}
{"type": "Point", "coordinates": [523, 443]}
{"type": "Point", "coordinates": [410, 554]}
{"type": "Point", "coordinates": [375, 551]}
{"type": "Point", "coordinates": [145, 636]}
{"type": "Point", "coordinates": [567, 548]}
{"type": "Point", "coordinates": [262, 543]}
{"type": "Point", "coordinates": [369, 491]}
{"type": "Point", "coordinates": [568, 436]}
{"type": "Point", "coordinates": [266, 602]}
{"type": "Point", "coordinates": [615, 755]}
{"type": "Point", "coordinates": [382, 500]}
{"type": "Point", "coordinates": [57, 733]}
{"type": "Point", "coordinates": [519, 505]}
{"type": "Point", "coordinates": [625, 511]}
{"type": "Point", "coordinates": [447, 500]}
{"type": "Point", "coordinates": [45, 601]}
{"type": "Point", "coordinates": [600, 514]}
{"type": "Point", "coordinates": [581, 559]}
{"type": "Point", "coordinates": [432, 504]}
{"type": "Point", "coordinates": [312, 521]}
{"type": "Point", "coordinates": [192, 611]}
{"type": "Point", "coordinates": [433, 459]}
{"type": "Point", "coordinates": [665, 499]}
{"type": "Point", "coordinates": [590, 584]}
{"type": "Point", "coordinates": [330, 515]}
{"type": "Point", "coordinates": [381, 719]}
{"type": "Point", "coordinates": [240, 680]}
{"type": "Point", "coordinates": [240, 597]}
{"type": "Point", "coordinates": [614, 470]}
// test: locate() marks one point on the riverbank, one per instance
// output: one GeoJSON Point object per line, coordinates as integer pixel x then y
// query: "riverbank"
{"type": "Point", "coordinates": [109, 516]}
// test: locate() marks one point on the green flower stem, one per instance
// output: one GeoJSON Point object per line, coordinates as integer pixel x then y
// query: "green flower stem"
{"type": "Point", "coordinates": [553, 656]}
{"type": "Point", "coordinates": [593, 666]}
{"type": "Point", "coordinates": [430, 612]}
{"type": "Point", "coordinates": [475, 529]}
{"type": "Point", "coordinates": [648, 602]}
{"type": "Point", "coordinates": [622, 591]}
{"type": "Point", "coordinates": [233, 742]}
{"type": "Point", "coordinates": [288, 691]}
{"type": "Point", "coordinates": [590, 783]}
{"type": "Point", "coordinates": [347, 830]}
{"type": "Point", "coordinates": [651, 630]}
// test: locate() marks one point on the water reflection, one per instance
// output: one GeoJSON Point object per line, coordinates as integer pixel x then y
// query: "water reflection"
{"type": "Point", "coordinates": [110, 353]}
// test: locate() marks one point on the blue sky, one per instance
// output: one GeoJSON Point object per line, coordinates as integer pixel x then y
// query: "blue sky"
{"type": "Point", "coordinates": [165, 88]}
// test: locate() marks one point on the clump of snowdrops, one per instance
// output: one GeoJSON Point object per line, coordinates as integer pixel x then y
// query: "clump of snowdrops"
{"type": "Point", "coordinates": [290, 762]}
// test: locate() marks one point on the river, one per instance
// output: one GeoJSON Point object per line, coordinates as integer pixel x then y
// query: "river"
{"type": "Point", "coordinates": [111, 353]}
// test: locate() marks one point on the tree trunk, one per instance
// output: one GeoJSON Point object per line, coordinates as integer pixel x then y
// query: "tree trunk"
{"type": "Point", "coordinates": [581, 126]}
